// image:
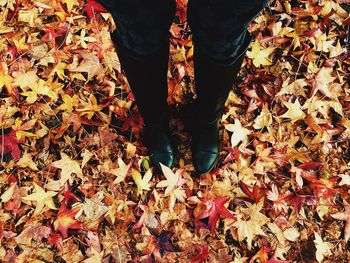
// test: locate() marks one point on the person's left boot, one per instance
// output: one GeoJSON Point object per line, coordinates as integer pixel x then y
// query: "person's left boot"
{"type": "Point", "coordinates": [213, 84]}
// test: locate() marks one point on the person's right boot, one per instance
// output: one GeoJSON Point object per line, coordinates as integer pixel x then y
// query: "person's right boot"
{"type": "Point", "coordinates": [213, 84]}
{"type": "Point", "coordinates": [148, 83]}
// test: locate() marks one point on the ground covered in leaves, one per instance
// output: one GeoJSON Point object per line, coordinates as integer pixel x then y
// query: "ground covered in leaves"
{"type": "Point", "coordinates": [75, 183]}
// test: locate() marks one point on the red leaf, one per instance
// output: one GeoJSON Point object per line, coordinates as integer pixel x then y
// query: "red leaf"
{"type": "Point", "coordinates": [9, 143]}
{"type": "Point", "coordinates": [92, 7]}
{"type": "Point", "coordinates": [310, 166]}
{"type": "Point", "coordinates": [202, 253]}
{"type": "Point", "coordinates": [165, 244]}
{"type": "Point", "coordinates": [56, 239]}
{"type": "Point", "coordinates": [254, 195]}
{"type": "Point", "coordinates": [213, 209]}
{"type": "Point", "coordinates": [274, 259]}
{"type": "Point", "coordinates": [51, 34]}
{"type": "Point", "coordinates": [65, 220]}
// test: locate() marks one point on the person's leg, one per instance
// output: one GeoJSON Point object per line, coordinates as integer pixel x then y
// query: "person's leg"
{"type": "Point", "coordinates": [220, 38]}
{"type": "Point", "coordinates": [142, 44]}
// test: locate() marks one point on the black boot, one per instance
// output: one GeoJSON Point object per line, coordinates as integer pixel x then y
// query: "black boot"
{"type": "Point", "coordinates": [148, 82]}
{"type": "Point", "coordinates": [213, 84]}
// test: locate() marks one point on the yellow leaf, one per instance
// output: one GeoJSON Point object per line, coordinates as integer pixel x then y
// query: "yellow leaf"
{"type": "Point", "coordinates": [68, 167]}
{"type": "Point", "coordinates": [87, 155]}
{"type": "Point", "coordinates": [41, 198]}
{"type": "Point", "coordinates": [240, 134]}
{"type": "Point", "coordinates": [323, 79]}
{"type": "Point", "coordinates": [70, 4]}
{"type": "Point", "coordinates": [21, 43]}
{"type": "Point", "coordinates": [121, 171]}
{"type": "Point", "coordinates": [322, 248]}
{"type": "Point", "coordinates": [26, 161]}
{"type": "Point", "coordinates": [260, 55]}
{"type": "Point", "coordinates": [294, 112]}
{"type": "Point", "coordinates": [90, 107]}
{"type": "Point", "coordinates": [43, 131]}
{"type": "Point", "coordinates": [296, 88]}
{"type": "Point", "coordinates": [291, 234]}
{"type": "Point", "coordinates": [264, 119]}
{"type": "Point", "coordinates": [23, 80]}
{"type": "Point", "coordinates": [59, 69]}
{"type": "Point", "coordinates": [142, 183]}
{"type": "Point", "coordinates": [7, 195]}
{"type": "Point", "coordinates": [6, 80]}
{"type": "Point", "coordinates": [247, 229]}
{"type": "Point", "coordinates": [83, 39]}
{"type": "Point", "coordinates": [69, 102]}
{"type": "Point", "coordinates": [336, 51]}
{"type": "Point", "coordinates": [345, 179]}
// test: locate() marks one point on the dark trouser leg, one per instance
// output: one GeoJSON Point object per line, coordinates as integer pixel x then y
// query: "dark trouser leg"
{"type": "Point", "coordinates": [220, 39]}
{"type": "Point", "coordinates": [142, 45]}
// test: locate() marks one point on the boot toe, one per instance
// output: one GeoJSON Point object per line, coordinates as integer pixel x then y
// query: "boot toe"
{"type": "Point", "coordinates": [166, 159]}
{"type": "Point", "coordinates": [204, 161]}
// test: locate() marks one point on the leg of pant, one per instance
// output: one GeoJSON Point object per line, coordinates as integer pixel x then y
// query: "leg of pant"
{"type": "Point", "coordinates": [142, 45]}
{"type": "Point", "coordinates": [220, 39]}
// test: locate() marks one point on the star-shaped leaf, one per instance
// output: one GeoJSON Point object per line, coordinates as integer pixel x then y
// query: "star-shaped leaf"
{"type": "Point", "coordinates": [173, 184]}
{"type": "Point", "coordinates": [142, 183]}
{"type": "Point", "coordinates": [240, 134]}
{"type": "Point", "coordinates": [260, 55]}
{"type": "Point", "coordinates": [66, 220]}
{"type": "Point", "coordinates": [345, 216]}
{"type": "Point", "coordinates": [214, 208]}
{"type": "Point", "coordinates": [68, 167]}
{"type": "Point", "coordinates": [322, 248]}
{"type": "Point", "coordinates": [294, 112]}
{"type": "Point", "coordinates": [41, 198]}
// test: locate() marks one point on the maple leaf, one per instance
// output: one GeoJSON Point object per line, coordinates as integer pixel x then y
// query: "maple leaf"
{"type": "Point", "coordinates": [279, 200]}
{"type": "Point", "coordinates": [264, 119]}
{"type": "Point", "coordinates": [345, 216]}
{"type": "Point", "coordinates": [51, 34]}
{"type": "Point", "coordinates": [173, 184]}
{"type": "Point", "coordinates": [345, 179]}
{"type": "Point", "coordinates": [68, 167]}
{"type": "Point", "coordinates": [296, 87]}
{"type": "Point", "coordinates": [34, 231]}
{"type": "Point", "coordinates": [90, 64]}
{"type": "Point", "coordinates": [70, 4]}
{"type": "Point", "coordinates": [202, 253]}
{"type": "Point", "coordinates": [83, 39]}
{"type": "Point", "coordinates": [214, 208]}
{"type": "Point", "coordinates": [69, 103]}
{"type": "Point", "coordinates": [122, 171]}
{"type": "Point", "coordinates": [322, 248]}
{"type": "Point", "coordinates": [39, 88]}
{"type": "Point", "coordinates": [294, 112]}
{"type": "Point", "coordinates": [6, 80]}
{"type": "Point", "coordinates": [65, 220]}
{"type": "Point", "coordinates": [142, 183]}
{"type": "Point", "coordinates": [26, 161]}
{"type": "Point", "coordinates": [260, 55]}
{"type": "Point", "coordinates": [41, 198]}
{"type": "Point", "coordinates": [322, 82]}
{"type": "Point", "coordinates": [7, 195]}
{"type": "Point", "coordinates": [254, 195]}
{"type": "Point", "coordinates": [251, 227]}
{"type": "Point", "coordinates": [239, 133]}
{"type": "Point", "coordinates": [9, 143]}
{"type": "Point", "coordinates": [165, 243]}
{"type": "Point", "coordinates": [55, 239]}
{"type": "Point", "coordinates": [92, 7]}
